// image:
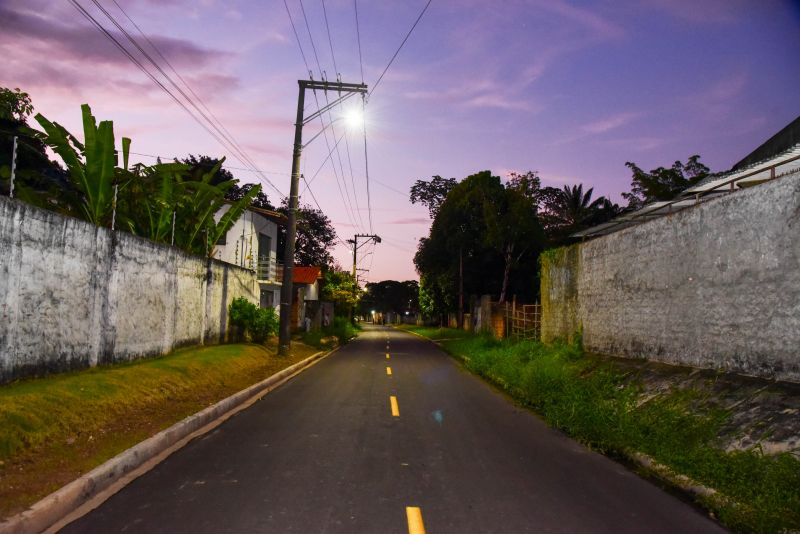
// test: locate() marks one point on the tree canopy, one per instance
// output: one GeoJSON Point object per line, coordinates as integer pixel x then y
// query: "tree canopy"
{"type": "Point", "coordinates": [390, 296]}
{"type": "Point", "coordinates": [432, 193]}
{"type": "Point", "coordinates": [663, 183]}
{"type": "Point", "coordinates": [315, 237]}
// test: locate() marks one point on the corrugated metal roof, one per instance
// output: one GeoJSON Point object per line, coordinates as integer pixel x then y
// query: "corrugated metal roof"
{"type": "Point", "coordinates": [785, 163]}
{"type": "Point", "coordinates": [302, 274]}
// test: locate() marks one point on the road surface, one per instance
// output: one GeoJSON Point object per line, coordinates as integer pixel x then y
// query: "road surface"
{"type": "Point", "coordinates": [389, 435]}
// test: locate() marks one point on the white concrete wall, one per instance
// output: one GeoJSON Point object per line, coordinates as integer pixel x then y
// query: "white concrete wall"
{"type": "Point", "coordinates": [716, 285]}
{"type": "Point", "coordinates": [74, 295]}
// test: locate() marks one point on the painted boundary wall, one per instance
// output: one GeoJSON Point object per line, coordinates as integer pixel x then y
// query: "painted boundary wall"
{"type": "Point", "coordinates": [714, 286]}
{"type": "Point", "coordinates": [74, 295]}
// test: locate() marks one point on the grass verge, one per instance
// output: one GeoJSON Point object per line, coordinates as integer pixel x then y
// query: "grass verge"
{"type": "Point", "coordinates": [56, 428]}
{"type": "Point", "coordinates": [603, 408]}
{"type": "Point", "coordinates": [339, 333]}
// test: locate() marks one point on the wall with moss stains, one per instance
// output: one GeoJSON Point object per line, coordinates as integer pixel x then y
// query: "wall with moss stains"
{"type": "Point", "coordinates": [73, 295]}
{"type": "Point", "coordinates": [715, 286]}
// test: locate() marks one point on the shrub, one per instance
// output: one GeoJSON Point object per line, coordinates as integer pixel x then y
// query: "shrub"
{"type": "Point", "coordinates": [250, 320]}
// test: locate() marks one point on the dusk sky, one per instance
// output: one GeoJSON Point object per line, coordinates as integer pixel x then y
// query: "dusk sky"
{"type": "Point", "coordinates": [570, 89]}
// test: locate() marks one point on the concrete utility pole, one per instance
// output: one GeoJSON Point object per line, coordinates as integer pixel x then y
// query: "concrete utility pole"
{"type": "Point", "coordinates": [356, 246]}
{"type": "Point", "coordinates": [349, 89]}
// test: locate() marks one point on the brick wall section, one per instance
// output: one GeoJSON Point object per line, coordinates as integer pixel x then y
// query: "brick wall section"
{"type": "Point", "coordinates": [715, 286]}
{"type": "Point", "coordinates": [73, 295]}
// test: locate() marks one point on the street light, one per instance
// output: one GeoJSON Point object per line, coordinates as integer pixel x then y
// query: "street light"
{"type": "Point", "coordinates": [345, 90]}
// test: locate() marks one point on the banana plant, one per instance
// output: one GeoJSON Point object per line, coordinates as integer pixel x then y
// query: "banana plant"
{"type": "Point", "coordinates": [92, 165]}
{"type": "Point", "coordinates": [202, 201]}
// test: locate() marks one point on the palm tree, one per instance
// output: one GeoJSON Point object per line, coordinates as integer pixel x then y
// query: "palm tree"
{"type": "Point", "coordinates": [574, 207]}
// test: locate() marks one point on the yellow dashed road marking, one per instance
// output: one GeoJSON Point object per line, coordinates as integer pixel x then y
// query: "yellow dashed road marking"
{"type": "Point", "coordinates": [387, 355]}
{"type": "Point", "coordinates": [414, 516]}
{"type": "Point", "coordinates": [395, 408]}
{"type": "Point", "coordinates": [389, 371]}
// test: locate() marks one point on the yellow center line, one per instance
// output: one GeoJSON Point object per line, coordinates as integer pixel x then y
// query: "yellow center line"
{"type": "Point", "coordinates": [395, 408]}
{"type": "Point", "coordinates": [414, 516]}
{"type": "Point", "coordinates": [389, 371]}
{"type": "Point", "coordinates": [387, 355]}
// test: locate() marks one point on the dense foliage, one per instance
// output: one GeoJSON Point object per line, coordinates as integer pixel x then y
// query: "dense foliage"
{"type": "Point", "coordinates": [390, 296]}
{"type": "Point", "coordinates": [251, 321]}
{"type": "Point", "coordinates": [166, 202]}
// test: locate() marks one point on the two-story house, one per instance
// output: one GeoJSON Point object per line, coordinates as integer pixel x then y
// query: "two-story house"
{"type": "Point", "coordinates": [252, 243]}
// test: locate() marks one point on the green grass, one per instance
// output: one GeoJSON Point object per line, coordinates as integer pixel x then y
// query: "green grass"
{"type": "Point", "coordinates": [596, 404]}
{"type": "Point", "coordinates": [339, 333]}
{"type": "Point", "coordinates": [53, 429]}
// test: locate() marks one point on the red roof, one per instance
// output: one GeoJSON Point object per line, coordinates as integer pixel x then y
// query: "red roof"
{"type": "Point", "coordinates": [306, 275]}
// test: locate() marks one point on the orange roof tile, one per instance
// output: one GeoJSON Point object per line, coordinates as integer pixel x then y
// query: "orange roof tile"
{"type": "Point", "coordinates": [306, 275]}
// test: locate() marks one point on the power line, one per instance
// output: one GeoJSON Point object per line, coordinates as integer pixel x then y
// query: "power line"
{"type": "Point", "coordinates": [330, 41]}
{"type": "Point", "coordinates": [346, 195]}
{"type": "Point", "coordinates": [189, 87]}
{"type": "Point", "coordinates": [358, 35]}
{"type": "Point", "coordinates": [296, 36]}
{"type": "Point", "coordinates": [366, 170]}
{"type": "Point", "coordinates": [346, 141]}
{"type": "Point", "coordinates": [424, 9]}
{"type": "Point", "coordinates": [156, 156]}
{"type": "Point", "coordinates": [141, 67]}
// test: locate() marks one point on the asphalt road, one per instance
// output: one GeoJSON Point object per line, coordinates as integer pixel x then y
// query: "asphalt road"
{"type": "Point", "coordinates": [325, 453]}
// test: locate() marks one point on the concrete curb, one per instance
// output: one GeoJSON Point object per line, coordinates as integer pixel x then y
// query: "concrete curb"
{"type": "Point", "coordinates": [90, 490]}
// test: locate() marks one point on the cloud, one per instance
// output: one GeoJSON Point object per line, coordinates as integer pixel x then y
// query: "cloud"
{"type": "Point", "coordinates": [590, 20]}
{"type": "Point", "coordinates": [609, 123]}
{"type": "Point", "coordinates": [707, 11]}
{"type": "Point", "coordinates": [82, 42]}
{"type": "Point", "coordinates": [599, 127]}
{"type": "Point", "coordinates": [411, 220]}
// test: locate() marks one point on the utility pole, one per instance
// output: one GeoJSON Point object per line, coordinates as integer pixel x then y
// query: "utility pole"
{"type": "Point", "coordinates": [356, 246]}
{"type": "Point", "coordinates": [287, 289]}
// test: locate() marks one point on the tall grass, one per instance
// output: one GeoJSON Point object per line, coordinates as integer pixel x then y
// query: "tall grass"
{"type": "Point", "coordinates": [598, 405]}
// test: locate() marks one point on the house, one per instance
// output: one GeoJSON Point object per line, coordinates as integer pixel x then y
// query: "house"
{"type": "Point", "coordinates": [305, 300]}
{"type": "Point", "coordinates": [252, 243]}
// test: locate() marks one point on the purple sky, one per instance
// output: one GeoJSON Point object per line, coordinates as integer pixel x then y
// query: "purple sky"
{"type": "Point", "coordinates": [570, 89]}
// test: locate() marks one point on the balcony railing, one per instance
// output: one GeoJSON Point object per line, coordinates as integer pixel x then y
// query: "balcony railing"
{"type": "Point", "coordinates": [270, 270]}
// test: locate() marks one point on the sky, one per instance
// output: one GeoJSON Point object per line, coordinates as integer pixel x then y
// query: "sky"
{"type": "Point", "coordinates": [569, 89]}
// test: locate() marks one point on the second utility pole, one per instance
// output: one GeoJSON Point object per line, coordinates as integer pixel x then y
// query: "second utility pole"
{"type": "Point", "coordinates": [356, 246]}
{"type": "Point", "coordinates": [287, 289]}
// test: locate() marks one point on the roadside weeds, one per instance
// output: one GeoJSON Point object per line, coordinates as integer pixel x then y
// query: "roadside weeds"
{"type": "Point", "coordinates": [673, 435]}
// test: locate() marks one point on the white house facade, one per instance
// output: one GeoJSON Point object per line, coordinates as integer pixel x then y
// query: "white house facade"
{"type": "Point", "coordinates": [252, 243]}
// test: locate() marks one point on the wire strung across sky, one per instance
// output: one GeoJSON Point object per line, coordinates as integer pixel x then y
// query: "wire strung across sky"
{"type": "Point", "coordinates": [209, 126]}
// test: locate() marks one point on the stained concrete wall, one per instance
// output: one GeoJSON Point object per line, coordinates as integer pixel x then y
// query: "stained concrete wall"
{"type": "Point", "coordinates": [74, 295]}
{"type": "Point", "coordinates": [716, 286]}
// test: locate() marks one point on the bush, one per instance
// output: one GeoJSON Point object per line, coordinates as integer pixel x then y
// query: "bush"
{"type": "Point", "coordinates": [250, 320]}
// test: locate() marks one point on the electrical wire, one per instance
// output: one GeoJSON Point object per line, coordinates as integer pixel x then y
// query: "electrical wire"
{"type": "Point", "coordinates": [358, 35]}
{"type": "Point", "coordinates": [141, 67]}
{"type": "Point", "coordinates": [375, 85]}
{"type": "Point", "coordinates": [230, 136]}
{"type": "Point", "coordinates": [346, 141]}
{"type": "Point", "coordinates": [346, 196]}
{"type": "Point", "coordinates": [366, 170]}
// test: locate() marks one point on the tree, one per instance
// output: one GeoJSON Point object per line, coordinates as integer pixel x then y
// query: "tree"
{"type": "Point", "coordinates": [481, 228]}
{"type": "Point", "coordinates": [663, 184]}
{"type": "Point", "coordinates": [15, 105]}
{"type": "Point", "coordinates": [432, 193]}
{"type": "Point", "coordinates": [92, 165]}
{"type": "Point", "coordinates": [38, 180]}
{"type": "Point", "coordinates": [315, 237]}
{"type": "Point", "coordinates": [391, 296]}
{"type": "Point", "coordinates": [340, 287]}
{"type": "Point", "coordinates": [148, 198]}
{"type": "Point", "coordinates": [199, 165]}
{"type": "Point", "coordinates": [515, 228]}
{"type": "Point", "coordinates": [571, 209]}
